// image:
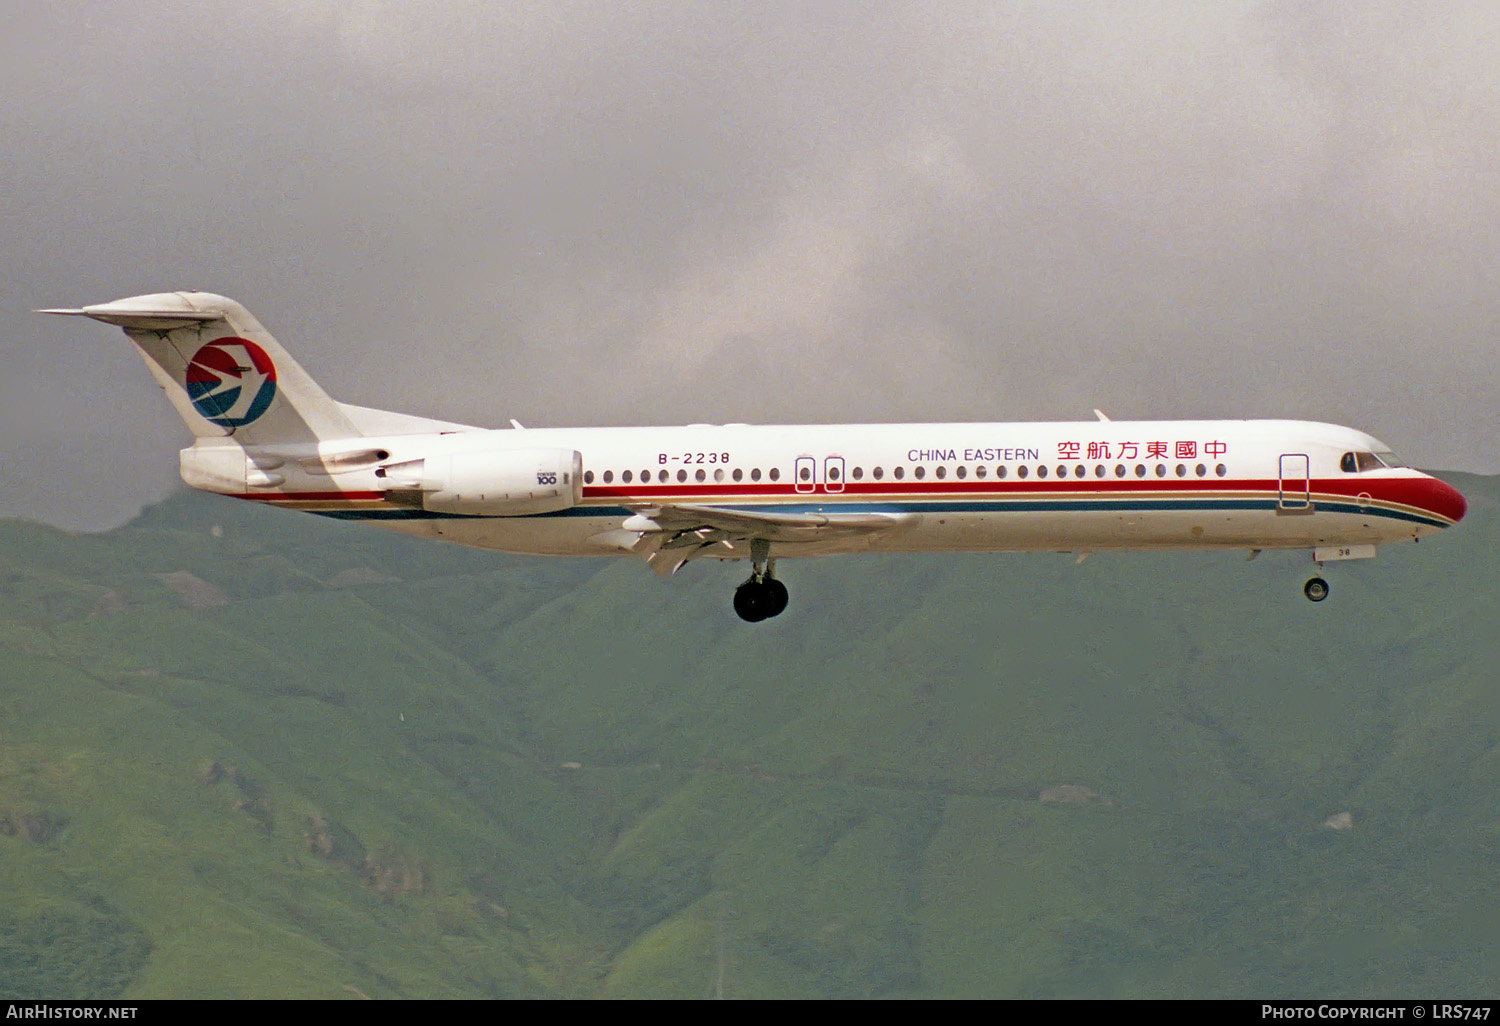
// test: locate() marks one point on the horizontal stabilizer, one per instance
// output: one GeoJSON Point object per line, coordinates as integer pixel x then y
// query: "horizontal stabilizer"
{"type": "Point", "coordinates": [152, 313]}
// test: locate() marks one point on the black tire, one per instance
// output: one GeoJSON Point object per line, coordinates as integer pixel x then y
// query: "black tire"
{"type": "Point", "coordinates": [750, 602]}
{"type": "Point", "coordinates": [776, 597]}
{"type": "Point", "coordinates": [1316, 589]}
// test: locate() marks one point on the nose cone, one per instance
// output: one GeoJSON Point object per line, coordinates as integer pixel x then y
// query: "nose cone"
{"type": "Point", "coordinates": [1443, 500]}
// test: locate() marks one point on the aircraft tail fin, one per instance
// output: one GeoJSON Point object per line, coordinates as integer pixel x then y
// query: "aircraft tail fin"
{"type": "Point", "coordinates": [224, 373]}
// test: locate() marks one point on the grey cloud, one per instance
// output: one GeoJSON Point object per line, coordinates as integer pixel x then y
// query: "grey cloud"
{"type": "Point", "coordinates": [658, 212]}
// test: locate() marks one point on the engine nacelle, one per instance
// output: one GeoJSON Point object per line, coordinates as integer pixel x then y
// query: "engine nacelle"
{"type": "Point", "coordinates": [495, 482]}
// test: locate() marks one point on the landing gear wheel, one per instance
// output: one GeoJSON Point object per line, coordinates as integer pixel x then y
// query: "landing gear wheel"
{"type": "Point", "coordinates": [762, 596]}
{"type": "Point", "coordinates": [776, 597]}
{"type": "Point", "coordinates": [1316, 589]}
{"type": "Point", "coordinates": [755, 601]}
{"type": "Point", "coordinates": [750, 602]}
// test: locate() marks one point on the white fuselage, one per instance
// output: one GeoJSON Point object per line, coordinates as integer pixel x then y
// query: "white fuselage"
{"type": "Point", "coordinates": [1078, 486]}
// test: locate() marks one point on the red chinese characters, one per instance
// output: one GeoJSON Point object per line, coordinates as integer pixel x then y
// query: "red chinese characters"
{"type": "Point", "coordinates": [1182, 449]}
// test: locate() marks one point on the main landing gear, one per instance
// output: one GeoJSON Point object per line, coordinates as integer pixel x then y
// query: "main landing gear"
{"type": "Point", "coordinates": [762, 596]}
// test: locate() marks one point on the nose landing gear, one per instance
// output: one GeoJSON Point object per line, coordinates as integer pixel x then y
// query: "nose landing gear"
{"type": "Point", "coordinates": [1316, 589]}
{"type": "Point", "coordinates": [762, 596]}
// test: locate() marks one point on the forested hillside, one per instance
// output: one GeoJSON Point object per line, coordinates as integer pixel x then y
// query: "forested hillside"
{"type": "Point", "coordinates": [249, 753]}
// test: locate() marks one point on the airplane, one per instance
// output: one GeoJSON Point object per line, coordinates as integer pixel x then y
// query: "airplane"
{"type": "Point", "coordinates": [265, 432]}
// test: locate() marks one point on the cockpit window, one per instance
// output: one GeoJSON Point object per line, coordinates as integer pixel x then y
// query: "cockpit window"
{"type": "Point", "coordinates": [1358, 462]}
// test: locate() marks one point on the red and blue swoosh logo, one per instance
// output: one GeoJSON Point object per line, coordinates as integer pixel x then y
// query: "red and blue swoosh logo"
{"type": "Point", "coordinates": [231, 382]}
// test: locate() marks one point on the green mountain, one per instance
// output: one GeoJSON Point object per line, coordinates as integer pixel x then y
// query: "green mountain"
{"type": "Point", "coordinates": [245, 753]}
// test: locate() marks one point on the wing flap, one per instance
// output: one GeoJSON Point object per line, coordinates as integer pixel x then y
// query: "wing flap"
{"type": "Point", "coordinates": [772, 526]}
{"type": "Point", "coordinates": [670, 536]}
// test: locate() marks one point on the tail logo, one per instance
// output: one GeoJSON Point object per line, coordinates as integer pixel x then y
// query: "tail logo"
{"type": "Point", "coordinates": [231, 382]}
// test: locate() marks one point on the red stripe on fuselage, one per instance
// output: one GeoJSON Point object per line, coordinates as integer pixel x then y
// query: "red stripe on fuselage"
{"type": "Point", "coordinates": [1423, 493]}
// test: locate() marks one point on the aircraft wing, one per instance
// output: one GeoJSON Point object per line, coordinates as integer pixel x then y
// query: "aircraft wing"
{"type": "Point", "coordinates": [671, 535]}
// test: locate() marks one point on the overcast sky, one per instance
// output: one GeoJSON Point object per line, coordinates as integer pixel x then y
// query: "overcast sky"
{"type": "Point", "coordinates": [633, 213]}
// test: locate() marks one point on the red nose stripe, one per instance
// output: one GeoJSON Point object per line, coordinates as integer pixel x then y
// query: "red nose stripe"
{"type": "Point", "coordinates": [1425, 493]}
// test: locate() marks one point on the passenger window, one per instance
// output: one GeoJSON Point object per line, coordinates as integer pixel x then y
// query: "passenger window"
{"type": "Point", "coordinates": [738, 475]}
{"type": "Point", "coordinates": [625, 476]}
{"type": "Point", "coordinates": [980, 471]}
{"type": "Point", "coordinates": [806, 473]}
{"type": "Point", "coordinates": [942, 472]}
{"type": "Point", "coordinates": [1119, 470]}
{"type": "Point", "coordinates": [1001, 470]}
{"type": "Point", "coordinates": [919, 473]}
{"type": "Point", "coordinates": [1041, 471]}
{"type": "Point", "coordinates": [1140, 470]}
{"type": "Point", "coordinates": [609, 475]}
{"type": "Point", "coordinates": [719, 474]}
{"type": "Point", "coordinates": [681, 476]}
{"type": "Point", "coordinates": [1221, 470]}
{"type": "Point", "coordinates": [755, 474]}
{"type": "Point", "coordinates": [1099, 471]}
{"type": "Point", "coordinates": [700, 475]}
{"type": "Point", "coordinates": [775, 473]}
{"type": "Point", "coordinates": [588, 477]}
{"type": "Point", "coordinates": [878, 473]}
{"type": "Point", "coordinates": [1021, 471]}
{"type": "Point", "coordinates": [859, 472]}
{"type": "Point", "coordinates": [1080, 470]}
{"type": "Point", "coordinates": [662, 477]}
{"type": "Point", "coordinates": [1181, 470]}
{"type": "Point", "coordinates": [899, 473]}
{"type": "Point", "coordinates": [1161, 470]}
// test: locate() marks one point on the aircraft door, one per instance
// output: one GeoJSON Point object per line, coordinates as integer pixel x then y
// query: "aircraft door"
{"type": "Point", "coordinates": [833, 474]}
{"type": "Point", "coordinates": [804, 474]}
{"type": "Point", "coordinates": [1295, 485]}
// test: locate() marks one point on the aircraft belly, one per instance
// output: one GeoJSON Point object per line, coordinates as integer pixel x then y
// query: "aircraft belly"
{"type": "Point", "coordinates": [1010, 531]}
{"type": "Point", "coordinates": [1102, 530]}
